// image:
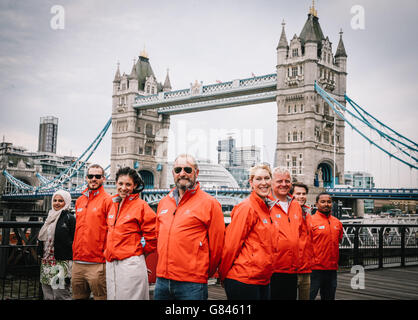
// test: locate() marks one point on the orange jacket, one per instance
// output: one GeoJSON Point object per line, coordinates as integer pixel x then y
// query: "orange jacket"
{"type": "Point", "coordinates": [128, 221]}
{"type": "Point", "coordinates": [91, 210]}
{"type": "Point", "coordinates": [248, 251]}
{"type": "Point", "coordinates": [327, 232]}
{"type": "Point", "coordinates": [190, 236]}
{"type": "Point", "coordinates": [289, 228]}
{"type": "Point", "coordinates": [305, 242]}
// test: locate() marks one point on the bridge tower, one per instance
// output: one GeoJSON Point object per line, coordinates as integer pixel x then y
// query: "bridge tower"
{"type": "Point", "coordinates": [305, 123]}
{"type": "Point", "coordinates": [139, 137]}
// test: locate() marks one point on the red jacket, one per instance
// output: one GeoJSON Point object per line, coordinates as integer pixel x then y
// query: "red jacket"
{"type": "Point", "coordinates": [289, 227]}
{"type": "Point", "coordinates": [128, 221]}
{"type": "Point", "coordinates": [305, 242]}
{"type": "Point", "coordinates": [91, 210]}
{"type": "Point", "coordinates": [190, 236]}
{"type": "Point", "coordinates": [249, 246]}
{"type": "Point", "coordinates": [327, 232]}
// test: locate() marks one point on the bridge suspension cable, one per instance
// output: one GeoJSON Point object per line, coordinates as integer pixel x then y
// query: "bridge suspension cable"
{"type": "Point", "coordinates": [64, 176]}
{"type": "Point", "coordinates": [406, 149]}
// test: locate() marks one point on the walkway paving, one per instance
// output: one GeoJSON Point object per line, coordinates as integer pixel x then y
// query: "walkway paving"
{"type": "Point", "coordinates": [379, 284]}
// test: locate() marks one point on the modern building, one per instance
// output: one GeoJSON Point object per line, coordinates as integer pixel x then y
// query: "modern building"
{"type": "Point", "coordinates": [28, 166]}
{"type": "Point", "coordinates": [48, 132]}
{"type": "Point", "coordinates": [238, 160]}
{"type": "Point", "coordinates": [211, 175]}
{"type": "Point", "coordinates": [359, 179]}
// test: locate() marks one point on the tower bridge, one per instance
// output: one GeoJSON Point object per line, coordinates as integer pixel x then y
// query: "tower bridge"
{"type": "Point", "coordinates": [306, 125]}
{"type": "Point", "coordinates": [308, 86]}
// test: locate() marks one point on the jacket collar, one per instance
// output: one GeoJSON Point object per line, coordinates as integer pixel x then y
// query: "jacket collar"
{"type": "Point", "coordinates": [263, 204]}
{"type": "Point", "coordinates": [93, 193]}
{"type": "Point", "coordinates": [131, 197]}
{"type": "Point", "coordinates": [323, 215]}
{"type": "Point", "coordinates": [274, 201]}
{"type": "Point", "coordinates": [174, 193]}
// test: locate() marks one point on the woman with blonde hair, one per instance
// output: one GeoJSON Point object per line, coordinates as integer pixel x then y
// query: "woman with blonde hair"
{"type": "Point", "coordinates": [246, 265]}
{"type": "Point", "coordinates": [56, 239]}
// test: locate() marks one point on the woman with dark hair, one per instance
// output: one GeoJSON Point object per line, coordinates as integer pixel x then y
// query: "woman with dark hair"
{"type": "Point", "coordinates": [130, 236]}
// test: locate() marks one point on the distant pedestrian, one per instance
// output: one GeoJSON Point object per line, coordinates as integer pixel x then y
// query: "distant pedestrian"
{"type": "Point", "coordinates": [190, 228]}
{"type": "Point", "coordinates": [89, 268]}
{"type": "Point", "coordinates": [327, 233]}
{"type": "Point", "coordinates": [130, 222]}
{"type": "Point", "coordinates": [247, 257]}
{"type": "Point", "coordinates": [299, 192]}
{"type": "Point", "coordinates": [56, 239]}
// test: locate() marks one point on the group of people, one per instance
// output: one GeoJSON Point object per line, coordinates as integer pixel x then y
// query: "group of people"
{"type": "Point", "coordinates": [272, 247]}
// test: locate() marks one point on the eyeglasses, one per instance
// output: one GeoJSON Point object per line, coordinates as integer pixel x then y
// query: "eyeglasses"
{"type": "Point", "coordinates": [188, 170]}
{"type": "Point", "coordinates": [97, 176]}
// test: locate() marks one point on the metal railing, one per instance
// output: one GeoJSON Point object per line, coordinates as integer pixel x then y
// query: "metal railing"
{"type": "Point", "coordinates": [19, 261]}
{"type": "Point", "coordinates": [379, 245]}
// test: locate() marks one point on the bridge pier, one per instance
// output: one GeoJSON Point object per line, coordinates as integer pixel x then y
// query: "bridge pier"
{"type": "Point", "coordinates": [358, 208]}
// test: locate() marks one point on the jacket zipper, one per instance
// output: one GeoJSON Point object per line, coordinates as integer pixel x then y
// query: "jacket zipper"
{"type": "Point", "coordinates": [168, 239]}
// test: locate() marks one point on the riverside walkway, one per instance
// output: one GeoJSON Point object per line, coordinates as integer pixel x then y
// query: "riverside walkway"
{"type": "Point", "coordinates": [380, 284]}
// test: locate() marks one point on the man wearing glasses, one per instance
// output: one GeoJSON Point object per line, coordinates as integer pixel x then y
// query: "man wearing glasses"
{"type": "Point", "coordinates": [88, 272]}
{"type": "Point", "coordinates": [190, 228]}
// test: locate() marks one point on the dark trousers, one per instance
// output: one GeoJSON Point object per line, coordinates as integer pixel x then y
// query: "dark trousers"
{"type": "Point", "coordinates": [236, 290]}
{"type": "Point", "coordinates": [324, 281]}
{"type": "Point", "coordinates": [284, 286]}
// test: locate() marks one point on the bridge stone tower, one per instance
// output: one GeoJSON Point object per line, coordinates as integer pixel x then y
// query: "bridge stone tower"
{"type": "Point", "coordinates": [139, 137]}
{"type": "Point", "coordinates": [307, 141]}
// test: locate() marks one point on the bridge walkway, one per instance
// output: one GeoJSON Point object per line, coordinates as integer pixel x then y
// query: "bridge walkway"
{"type": "Point", "coordinates": [380, 284]}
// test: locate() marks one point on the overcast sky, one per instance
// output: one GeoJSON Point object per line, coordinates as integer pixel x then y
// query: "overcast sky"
{"type": "Point", "coordinates": [68, 72]}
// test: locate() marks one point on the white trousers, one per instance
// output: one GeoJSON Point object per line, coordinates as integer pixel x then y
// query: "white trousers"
{"type": "Point", "coordinates": [127, 279]}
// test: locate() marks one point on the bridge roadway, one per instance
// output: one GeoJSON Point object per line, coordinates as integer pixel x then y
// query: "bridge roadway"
{"type": "Point", "coordinates": [380, 284]}
{"type": "Point", "coordinates": [153, 195]}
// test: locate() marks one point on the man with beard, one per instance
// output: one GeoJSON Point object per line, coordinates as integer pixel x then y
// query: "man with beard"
{"type": "Point", "coordinates": [327, 232]}
{"type": "Point", "coordinates": [190, 228]}
{"type": "Point", "coordinates": [89, 267]}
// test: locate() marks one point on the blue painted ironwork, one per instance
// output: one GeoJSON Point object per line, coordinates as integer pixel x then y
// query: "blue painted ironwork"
{"type": "Point", "coordinates": [332, 103]}
{"type": "Point", "coordinates": [374, 193]}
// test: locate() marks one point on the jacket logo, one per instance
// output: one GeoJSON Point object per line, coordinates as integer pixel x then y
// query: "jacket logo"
{"type": "Point", "coordinates": [187, 211]}
{"type": "Point", "coordinates": [164, 211]}
{"type": "Point", "coordinates": [278, 215]}
{"type": "Point", "coordinates": [79, 209]}
{"type": "Point", "coordinates": [264, 220]}
{"type": "Point", "coordinates": [111, 216]}
{"type": "Point", "coordinates": [321, 227]}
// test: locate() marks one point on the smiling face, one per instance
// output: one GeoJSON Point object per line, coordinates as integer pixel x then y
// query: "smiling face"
{"type": "Point", "coordinates": [58, 202]}
{"type": "Point", "coordinates": [261, 182]}
{"type": "Point", "coordinates": [125, 186]}
{"type": "Point", "coordinates": [324, 204]}
{"type": "Point", "coordinates": [281, 185]}
{"type": "Point", "coordinates": [299, 193]}
{"type": "Point", "coordinates": [184, 174]}
{"type": "Point", "coordinates": [95, 178]}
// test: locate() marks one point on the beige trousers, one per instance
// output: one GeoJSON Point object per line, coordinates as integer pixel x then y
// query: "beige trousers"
{"type": "Point", "coordinates": [127, 279]}
{"type": "Point", "coordinates": [304, 285]}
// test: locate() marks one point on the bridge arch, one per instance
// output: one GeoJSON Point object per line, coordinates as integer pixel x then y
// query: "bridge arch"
{"type": "Point", "coordinates": [324, 174]}
{"type": "Point", "coordinates": [148, 178]}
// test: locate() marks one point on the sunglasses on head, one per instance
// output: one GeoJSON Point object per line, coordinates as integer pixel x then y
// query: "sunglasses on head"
{"type": "Point", "coordinates": [97, 176]}
{"type": "Point", "coordinates": [186, 169]}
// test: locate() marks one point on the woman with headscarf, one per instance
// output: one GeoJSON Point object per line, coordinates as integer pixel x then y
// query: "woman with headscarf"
{"type": "Point", "coordinates": [56, 237]}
